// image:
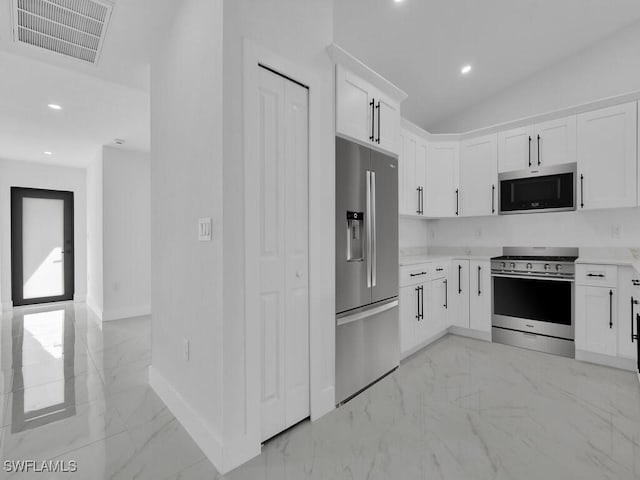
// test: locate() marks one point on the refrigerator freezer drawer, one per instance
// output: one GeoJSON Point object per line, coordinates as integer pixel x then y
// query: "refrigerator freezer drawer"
{"type": "Point", "coordinates": [367, 348]}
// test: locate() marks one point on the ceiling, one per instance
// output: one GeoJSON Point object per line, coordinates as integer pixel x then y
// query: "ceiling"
{"type": "Point", "coordinates": [100, 102]}
{"type": "Point", "coordinates": [421, 45]}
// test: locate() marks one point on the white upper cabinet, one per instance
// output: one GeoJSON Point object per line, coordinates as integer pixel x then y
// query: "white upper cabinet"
{"type": "Point", "coordinates": [354, 106]}
{"type": "Point", "coordinates": [364, 113]}
{"type": "Point", "coordinates": [479, 176]}
{"type": "Point", "coordinates": [388, 123]}
{"type": "Point", "coordinates": [555, 142]}
{"type": "Point", "coordinates": [412, 175]}
{"type": "Point", "coordinates": [534, 146]}
{"type": "Point", "coordinates": [515, 149]}
{"type": "Point", "coordinates": [441, 179]}
{"type": "Point", "coordinates": [607, 157]}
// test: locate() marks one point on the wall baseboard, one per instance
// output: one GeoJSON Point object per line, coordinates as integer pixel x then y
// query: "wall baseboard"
{"type": "Point", "coordinates": [204, 437]}
{"type": "Point", "coordinates": [127, 312]}
{"type": "Point", "coordinates": [606, 360]}
{"type": "Point", "coordinates": [91, 304]}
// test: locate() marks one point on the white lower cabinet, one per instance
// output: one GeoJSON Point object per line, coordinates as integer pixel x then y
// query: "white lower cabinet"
{"type": "Point", "coordinates": [605, 314]}
{"type": "Point", "coordinates": [424, 305]}
{"type": "Point", "coordinates": [459, 294]}
{"type": "Point", "coordinates": [596, 331]}
{"type": "Point", "coordinates": [480, 296]}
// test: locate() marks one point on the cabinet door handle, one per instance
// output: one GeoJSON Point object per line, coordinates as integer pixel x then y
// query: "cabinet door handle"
{"type": "Point", "coordinates": [529, 150]}
{"type": "Point", "coordinates": [378, 108]}
{"type": "Point", "coordinates": [418, 297]}
{"type": "Point", "coordinates": [479, 272]}
{"type": "Point", "coordinates": [439, 269]}
{"type": "Point", "coordinates": [446, 294]}
{"type": "Point", "coordinates": [459, 281]}
{"type": "Point", "coordinates": [610, 308]}
{"type": "Point", "coordinates": [538, 150]}
{"type": "Point", "coordinates": [421, 200]}
{"type": "Point", "coordinates": [422, 302]}
{"type": "Point", "coordinates": [493, 199]}
{"type": "Point", "coordinates": [373, 116]}
{"type": "Point", "coordinates": [634, 336]}
{"type": "Point", "coordinates": [457, 201]}
{"type": "Point", "coordinates": [581, 191]}
{"type": "Point", "coordinates": [418, 209]}
{"type": "Point", "coordinates": [417, 274]}
{"type": "Point", "coordinates": [599, 275]}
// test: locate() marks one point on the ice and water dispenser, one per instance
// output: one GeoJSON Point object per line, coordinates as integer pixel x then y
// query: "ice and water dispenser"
{"type": "Point", "coordinates": [355, 236]}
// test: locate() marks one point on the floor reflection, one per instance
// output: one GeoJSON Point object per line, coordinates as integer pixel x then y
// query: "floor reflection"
{"type": "Point", "coordinates": [44, 338]}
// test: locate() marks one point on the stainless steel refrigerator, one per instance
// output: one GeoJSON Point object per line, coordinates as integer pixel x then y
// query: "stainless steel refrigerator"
{"type": "Point", "coordinates": [367, 329]}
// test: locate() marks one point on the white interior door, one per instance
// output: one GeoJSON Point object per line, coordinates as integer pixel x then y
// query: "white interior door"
{"type": "Point", "coordinates": [42, 247]}
{"type": "Point", "coordinates": [284, 289]}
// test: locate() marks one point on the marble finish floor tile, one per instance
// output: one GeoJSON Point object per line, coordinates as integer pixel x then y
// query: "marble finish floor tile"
{"type": "Point", "coordinates": [459, 409]}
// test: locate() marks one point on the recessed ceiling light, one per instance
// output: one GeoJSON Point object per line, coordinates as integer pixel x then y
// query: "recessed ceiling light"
{"type": "Point", "coordinates": [54, 106]}
{"type": "Point", "coordinates": [466, 69]}
{"type": "Point", "coordinates": [48, 153]}
{"type": "Point", "coordinates": [398, 1]}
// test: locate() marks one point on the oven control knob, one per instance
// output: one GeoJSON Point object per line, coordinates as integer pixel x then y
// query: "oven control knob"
{"type": "Point", "coordinates": [529, 266]}
{"type": "Point", "coordinates": [558, 267]}
{"type": "Point", "coordinates": [512, 265]}
{"type": "Point", "coordinates": [547, 266]}
{"type": "Point", "coordinates": [503, 265]}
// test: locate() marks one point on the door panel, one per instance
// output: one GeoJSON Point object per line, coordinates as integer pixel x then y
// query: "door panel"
{"type": "Point", "coordinates": [516, 149]}
{"type": "Point", "coordinates": [284, 302]}
{"type": "Point", "coordinates": [459, 293]}
{"type": "Point", "coordinates": [352, 163]}
{"type": "Point", "coordinates": [480, 296]}
{"type": "Point", "coordinates": [558, 142]}
{"type": "Point", "coordinates": [42, 246]}
{"type": "Point", "coordinates": [354, 109]}
{"type": "Point", "coordinates": [607, 157]}
{"type": "Point", "coordinates": [441, 179]}
{"type": "Point", "coordinates": [388, 116]}
{"type": "Point", "coordinates": [386, 226]}
{"type": "Point", "coordinates": [478, 174]}
{"type": "Point", "coordinates": [594, 305]}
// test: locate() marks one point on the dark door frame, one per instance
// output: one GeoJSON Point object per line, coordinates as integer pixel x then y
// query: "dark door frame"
{"type": "Point", "coordinates": [17, 280]}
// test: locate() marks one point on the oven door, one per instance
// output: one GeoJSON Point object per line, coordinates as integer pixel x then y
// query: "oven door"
{"type": "Point", "coordinates": [545, 190]}
{"type": "Point", "coordinates": [543, 306]}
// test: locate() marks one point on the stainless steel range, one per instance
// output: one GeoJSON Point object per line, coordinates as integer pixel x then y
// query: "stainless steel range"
{"type": "Point", "coordinates": [533, 299]}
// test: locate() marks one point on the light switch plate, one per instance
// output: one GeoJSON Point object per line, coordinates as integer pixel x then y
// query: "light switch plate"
{"type": "Point", "coordinates": [204, 229]}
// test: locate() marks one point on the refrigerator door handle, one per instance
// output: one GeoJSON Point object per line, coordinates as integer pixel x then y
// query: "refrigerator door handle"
{"type": "Point", "coordinates": [368, 227]}
{"type": "Point", "coordinates": [367, 313]}
{"type": "Point", "coordinates": [374, 252]}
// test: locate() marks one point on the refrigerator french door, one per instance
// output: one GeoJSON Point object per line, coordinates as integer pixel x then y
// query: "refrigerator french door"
{"type": "Point", "coordinates": [367, 333]}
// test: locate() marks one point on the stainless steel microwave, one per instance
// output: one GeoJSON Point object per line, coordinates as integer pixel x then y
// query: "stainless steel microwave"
{"type": "Point", "coordinates": [545, 189]}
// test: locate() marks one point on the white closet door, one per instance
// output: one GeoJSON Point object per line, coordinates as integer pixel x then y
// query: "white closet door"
{"type": "Point", "coordinates": [284, 289]}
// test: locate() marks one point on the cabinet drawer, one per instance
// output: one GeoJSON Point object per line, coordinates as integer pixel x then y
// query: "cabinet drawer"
{"type": "Point", "coordinates": [413, 274]}
{"type": "Point", "coordinates": [597, 275]}
{"type": "Point", "coordinates": [439, 270]}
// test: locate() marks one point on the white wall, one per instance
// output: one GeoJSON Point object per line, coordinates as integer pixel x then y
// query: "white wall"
{"type": "Point", "coordinates": [127, 224]}
{"type": "Point", "coordinates": [95, 254]}
{"type": "Point", "coordinates": [33, 175]}
{"type": "Point", "coordinates": [412, 232]}
{"type": "Point", "coordinates": [562, 229]}
{"type": "Point", "coordinates": [298, 32]}
{"type": "Point", "coordinates": [606, 69]}
{"type": "Point", "coordinates": [186, 183]}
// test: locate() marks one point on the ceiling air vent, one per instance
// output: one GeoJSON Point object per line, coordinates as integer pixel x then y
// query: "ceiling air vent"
{"type": "Point", "coordinates": [75, 28]}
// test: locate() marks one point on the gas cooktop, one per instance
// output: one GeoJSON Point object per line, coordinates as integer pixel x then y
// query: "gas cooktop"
{"type": "Point", "coordinates": [536, 262]}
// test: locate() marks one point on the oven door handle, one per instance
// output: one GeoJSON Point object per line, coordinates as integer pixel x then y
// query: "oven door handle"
{"type": "Point", "coordinates": [532, 277]}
